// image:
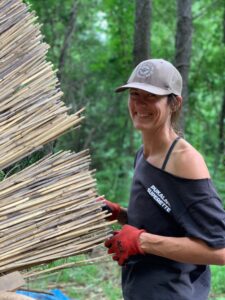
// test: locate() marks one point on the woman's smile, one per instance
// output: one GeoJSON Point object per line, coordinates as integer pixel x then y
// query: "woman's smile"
{"type": "Point", "coordinates": [144, 115]}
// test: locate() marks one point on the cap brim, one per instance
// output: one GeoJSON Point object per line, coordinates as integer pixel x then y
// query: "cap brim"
{"type": "Point", "coordinates": [145, 87]}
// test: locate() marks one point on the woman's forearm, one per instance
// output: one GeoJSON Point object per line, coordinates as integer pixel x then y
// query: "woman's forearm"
{"type": "Point", "coordinates": [182, 249]}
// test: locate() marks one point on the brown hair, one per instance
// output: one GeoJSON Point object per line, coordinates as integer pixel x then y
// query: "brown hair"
{"type": "Point", "coordinates": [175, 115]}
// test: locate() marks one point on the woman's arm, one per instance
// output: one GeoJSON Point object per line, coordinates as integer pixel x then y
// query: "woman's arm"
{"type": "Point", "coordinates": [188, 163]}
{"type": "Point", "coordinates": [181, 249]}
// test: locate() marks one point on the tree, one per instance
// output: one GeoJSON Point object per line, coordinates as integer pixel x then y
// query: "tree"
{"type": "Point", "coordinates": [222, 114]}
{"type": "Point", "coordinates": [141, 48]}
{"type": "Point", "coordinates": [183, 48]}
{"type": "Point", "coordinates": [67, 38]}
{"type": "Point", "coordinates": [221, 122]}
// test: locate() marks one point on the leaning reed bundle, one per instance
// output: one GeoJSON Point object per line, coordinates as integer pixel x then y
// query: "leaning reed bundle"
{"type": "Point", "coordinates": [48, 211]}
{"type": "Point", "coordinates": [31, 113]}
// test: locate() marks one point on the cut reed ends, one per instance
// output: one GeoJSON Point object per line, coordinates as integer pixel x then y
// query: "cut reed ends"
{"type": "Point", "coordinates": [49, 211]}
{"type": "Point", "coordinates": [31, 112]}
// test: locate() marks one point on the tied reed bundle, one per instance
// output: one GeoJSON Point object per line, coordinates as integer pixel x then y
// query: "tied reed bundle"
{"type": "Point", "coordinates": [48, 211]}
{"type": "Point", "coordinates": [31, 113]}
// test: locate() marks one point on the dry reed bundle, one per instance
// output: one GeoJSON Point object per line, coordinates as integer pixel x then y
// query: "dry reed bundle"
{"type": "Point", "coordinates": [48, 211]}
{"type": "Point", "coordinates": [31, 113]}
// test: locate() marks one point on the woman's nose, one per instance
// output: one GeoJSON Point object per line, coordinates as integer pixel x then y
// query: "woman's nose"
{"type": "Point", "coordinates": [141, 101]}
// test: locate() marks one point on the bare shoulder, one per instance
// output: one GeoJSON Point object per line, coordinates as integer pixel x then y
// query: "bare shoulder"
{"type": "Point", "coordinates": [187, 162]}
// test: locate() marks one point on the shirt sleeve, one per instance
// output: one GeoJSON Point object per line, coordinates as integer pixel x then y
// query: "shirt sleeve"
{"type": "Point", "coordinates": [205, 219]}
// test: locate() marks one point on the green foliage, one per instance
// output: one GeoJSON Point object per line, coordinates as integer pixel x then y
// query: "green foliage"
{"type": "Point", "coordinates": [218, 278]}
{"type": "Point", "coordinates": [2, 175]}
{"type": "Point", "coordinates": [95, 281]}
{"type": "Point", "coordinates": [163, 29]}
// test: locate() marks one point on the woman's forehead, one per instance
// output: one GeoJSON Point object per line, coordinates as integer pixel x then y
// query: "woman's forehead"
{"type": "Point", "coordinates": [140, 91]}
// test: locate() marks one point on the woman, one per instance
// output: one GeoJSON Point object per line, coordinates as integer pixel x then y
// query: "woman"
{"type": "Point", "coordinates": [175, 223]}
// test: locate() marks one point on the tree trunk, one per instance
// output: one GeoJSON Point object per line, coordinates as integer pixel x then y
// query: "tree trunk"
{"type": "Point", "coordinates": [221, 127]}
{"type": "Point", "coordinates": [141, 47]}
{"type": "Point", "coordinates": [68, 38]}
{"type": "Point", "coordinates": [222, 114]}
{"type": "Point", "coordinates": [221, 135]}
{"type": "Point", "coordinates": [183, 49]}
{"type": "Point", "coordinates": [141, 50]}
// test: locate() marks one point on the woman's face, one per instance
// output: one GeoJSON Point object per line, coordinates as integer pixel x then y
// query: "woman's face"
{"type": "Point", "coordinates": [148, 111]}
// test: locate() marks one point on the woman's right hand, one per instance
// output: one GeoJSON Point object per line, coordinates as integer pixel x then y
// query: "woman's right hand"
{"type": "Point", "coordinates": [111, 207]}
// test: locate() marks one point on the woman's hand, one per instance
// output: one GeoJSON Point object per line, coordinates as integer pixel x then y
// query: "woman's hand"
{"type": "Point", "coordinates": [113, 208]}
{"type": "Point", "coordinates": [125, 243]}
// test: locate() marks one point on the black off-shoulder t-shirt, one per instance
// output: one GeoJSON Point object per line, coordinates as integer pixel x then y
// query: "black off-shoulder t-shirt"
{"type": "Point", "coordinates": [167, 205]}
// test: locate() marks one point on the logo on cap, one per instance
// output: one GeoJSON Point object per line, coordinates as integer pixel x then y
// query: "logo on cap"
{"type": "Point", "coordinates": [145, 70]}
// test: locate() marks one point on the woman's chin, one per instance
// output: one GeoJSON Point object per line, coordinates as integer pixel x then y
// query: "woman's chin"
{"type": "Point", "coordinates": [140, 127]}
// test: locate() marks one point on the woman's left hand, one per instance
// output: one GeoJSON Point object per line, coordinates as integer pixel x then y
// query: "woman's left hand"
{"type": "Point", "coordinates": [125, 243]}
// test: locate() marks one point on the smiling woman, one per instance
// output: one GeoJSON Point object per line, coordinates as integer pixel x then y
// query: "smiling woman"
{"type": "Point", "coordinates": [174, 226]}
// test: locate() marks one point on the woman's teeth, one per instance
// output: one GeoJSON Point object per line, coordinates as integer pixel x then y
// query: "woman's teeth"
{"type": "Point", "coordinates": [142, 115]}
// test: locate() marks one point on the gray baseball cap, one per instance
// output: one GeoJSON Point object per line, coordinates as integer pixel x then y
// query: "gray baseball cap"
{"type": "Point", "coordinates": [156, 76]}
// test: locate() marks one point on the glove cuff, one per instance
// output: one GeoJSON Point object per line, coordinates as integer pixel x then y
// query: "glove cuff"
{"type": "Point", "coordinates": [114, 209]}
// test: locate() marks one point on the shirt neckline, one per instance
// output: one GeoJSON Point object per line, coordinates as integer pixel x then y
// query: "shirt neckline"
{"type": "Point", "coordinates": [170, 174]}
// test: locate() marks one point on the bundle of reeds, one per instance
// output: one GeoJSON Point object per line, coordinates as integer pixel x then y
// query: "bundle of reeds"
{"type": "Point", "coordinates": [48, 210]}
{"type": "Point", "coordinates": [31, 112]}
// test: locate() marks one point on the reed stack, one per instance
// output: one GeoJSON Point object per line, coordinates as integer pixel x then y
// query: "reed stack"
{"type": "Point", "coordinates": [48, 210]}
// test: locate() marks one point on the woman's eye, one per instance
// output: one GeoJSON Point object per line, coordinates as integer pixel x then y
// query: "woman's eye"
{"type": "Point", "coordinates": [133, 94]}
{"type": "Point", "coordinates": [152, 95]}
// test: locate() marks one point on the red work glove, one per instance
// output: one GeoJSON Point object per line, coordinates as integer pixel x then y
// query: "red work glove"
{"type": "Point", "coordinates": [125, 243]}
{"type": "Point", "coordinates": [113, 208]}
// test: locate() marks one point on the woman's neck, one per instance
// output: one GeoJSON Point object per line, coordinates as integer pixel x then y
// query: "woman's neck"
{"type": "Point", "coordinates": [157, 143]}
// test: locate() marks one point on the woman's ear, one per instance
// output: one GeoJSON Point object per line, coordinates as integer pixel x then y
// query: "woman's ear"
{"type": "Point", "coordinates": [179, 100]}
{"type": "Point", "coordinates": [176, 104]}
